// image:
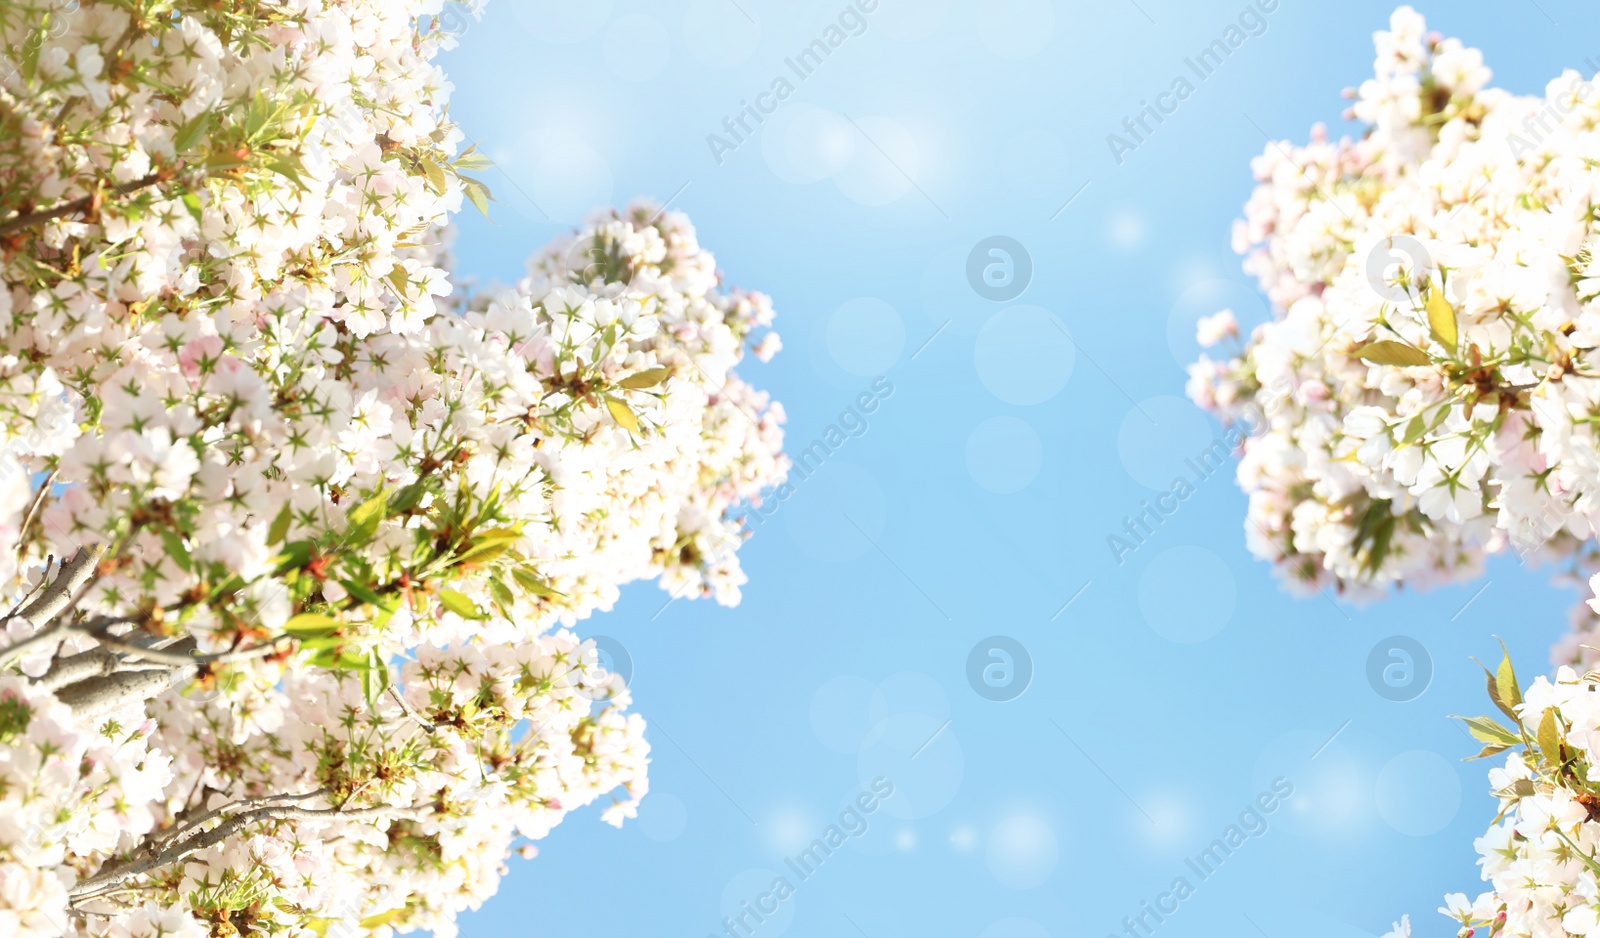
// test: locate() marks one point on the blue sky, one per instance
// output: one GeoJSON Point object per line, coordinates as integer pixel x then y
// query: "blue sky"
{"type": "Point", "coordinates": [958, 540]}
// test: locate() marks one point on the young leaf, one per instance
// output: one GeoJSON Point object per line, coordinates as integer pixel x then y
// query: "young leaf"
{"type": "Point", "coordinates": [460, 604]}
{"type": "Point", "coordinates": [191, 132]}
{"type": "Point", "coordinates": [365, 516]}
{"type": "Point", "coordinates": [1486, 730]}
{"type": "Point", "coordinates": [296, 554]}
{"type": "Point", "coordinates": [502, 597]}
{"type": "Point", "coordinates": [1494, 694]}
{"type": "Point", "coordinates": [472, 162]}
{"type": "Point", "coordinates": [621, 413]}
{"type": "Point", "coordinates": [176, 549]}
{"type": "Point", "coordinates": [1550, 737]}
{"type": "Point", "coordinates": [530, 581]}
{"type": "Point", "coordinates": [434, 173]}
{"type": "Point", "coordinates": [374, 676]}
{"type": "Point", "coordinates": [478, 194]}
{"type": "Point", "coordinates": [280, 526]}
{"type": "Point", "coordinates": [311, 625]}
{"type": "Point", "coordinates": [486, 548]}
{"type": "Point", "coordinates": [383, 918]}
{"type": "Point", "coordinates": [191, 201]}
{"type": "Point", "coordinates": [364, 594]}
{"type": "Point", "coordinates": [1389, 352]}
{"type": "Point", "coordinates": [1414, 429]}
{"type": "Point", "coordinates": [1505, 680]}
{"type": "Point", "coordinates": [646, 379]}
{"type": "Point", "coordinates": [1442, 320]}
{"type": "Point", "coordinates": [407, 498]}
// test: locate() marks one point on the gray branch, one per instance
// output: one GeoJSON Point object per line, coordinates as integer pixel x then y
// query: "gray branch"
{"type": "Point", "coordinates": [99, 696]}
{"type": "Point", "coordinates": [108, 880]}
{"type": "Point", "coordinates": [62, 593]}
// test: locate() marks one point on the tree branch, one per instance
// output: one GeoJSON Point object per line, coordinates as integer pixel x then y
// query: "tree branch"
{"type": "Point", "coordinates": [59, 595]}
{"type": "Point", "coordinates": [99, 696]}
{"type": "Point", "coordinates": [75, 206]}
{"type": "Point", "coordinates": [109, 879]}
{"type": "Point", "coordinates": [57, 599]}
{"type": "Point", "coordinates": [184, 658]}
{"type": "Point", "coordinates": [244, 804]}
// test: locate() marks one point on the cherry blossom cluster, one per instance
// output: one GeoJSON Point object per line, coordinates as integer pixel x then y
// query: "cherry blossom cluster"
{"type": "Point", "coordinates": [294, 531]}
{"type": "Point", "coordinates": [1541, 856]}
{"type": "Point", "coordinates": [1430, 365]}
{"type": "Point", "coordinates": [1430, 376]}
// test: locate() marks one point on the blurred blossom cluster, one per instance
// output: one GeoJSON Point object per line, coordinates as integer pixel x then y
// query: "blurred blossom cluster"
{"type": "Point", "coordinates": [293, 532]}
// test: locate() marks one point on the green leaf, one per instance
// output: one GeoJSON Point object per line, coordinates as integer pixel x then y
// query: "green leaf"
{"type": "Point", "coordinates": [434, 173]}
{"type": "Point", "coordinates": [191, 201]}
{"type": "Point", "coordinates": [383, 918]}
{"type": "Point", "coordinates": [1442, 320]}
{"type": "Point", "coordinates": [296, 554]}
{"type": "Point", "coordinates": [1486, 730]}
{"type": "Point", "coordinates": [1549, 737]}
{"type": "Point", "coordinates": [1505, 680]}
{"type": "Point", "coordinates": [341, 660]}
{"type": "Point", "coordinates": [461, 605]}
{"type": "Point", "coordinates": [1414, 429]}
{"type": "Point", "coordinates": [280, 526]}
{"type": "Point", "coordinates": [502, 597]}
{"type": "Point", "coordinates": [222, 162]}
{"type": "Point", "coordinates": [1389, 352]}
{"type": "Point", "coordinates": [176, 549]}
{"type": "Point", "coordinates": [256, 118]}
{"type": "Point", "coordinates": [288, 167]}
{"type": "Point", "coordinates": [311, 625]}
{"type": "Point", "coordinates": [397, 279]}
{"type": "Point", "coordinates": [478, 194]}
{"type": "Point", "coordinates": [363, 593]}
{"type": "Point", "coordinates": [622, 414]}
{"type": "Point", "coordinates": [531, 582]}
{"type": "Point", "coordinates": [364, 517]}
{"type": "Point", "coordinates": [407, 498]}
{"type": "Point", "coordinates": [472, 162]}
{"type": "Point", "coordinates": [374, 676]}
{"type": "Point", "coordinates": [646, 379]}
{"type": "Point", "coordinates": [1490, 750]}
{"type": "Point", "coordinates": [486, 548]}
{"type": "Point", "coordinates": [31, 47]}
{"type": "Point", "coordinates": [191, 132]}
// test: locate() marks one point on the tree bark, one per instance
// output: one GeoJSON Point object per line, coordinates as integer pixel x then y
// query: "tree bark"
{"type": "Point", "coordinates": [97, 697]}
{"type": "Point", "coordinates": [59, 595]}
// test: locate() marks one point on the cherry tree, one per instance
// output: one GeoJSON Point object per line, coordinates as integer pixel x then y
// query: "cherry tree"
{"type": "Point", "coordinates": [293, 532]}
{"type": "Point", "coordinates": [1427, 395]}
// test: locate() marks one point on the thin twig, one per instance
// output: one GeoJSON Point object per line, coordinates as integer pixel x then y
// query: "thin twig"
{"type": "Point", "coordinates": [33, 511]}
